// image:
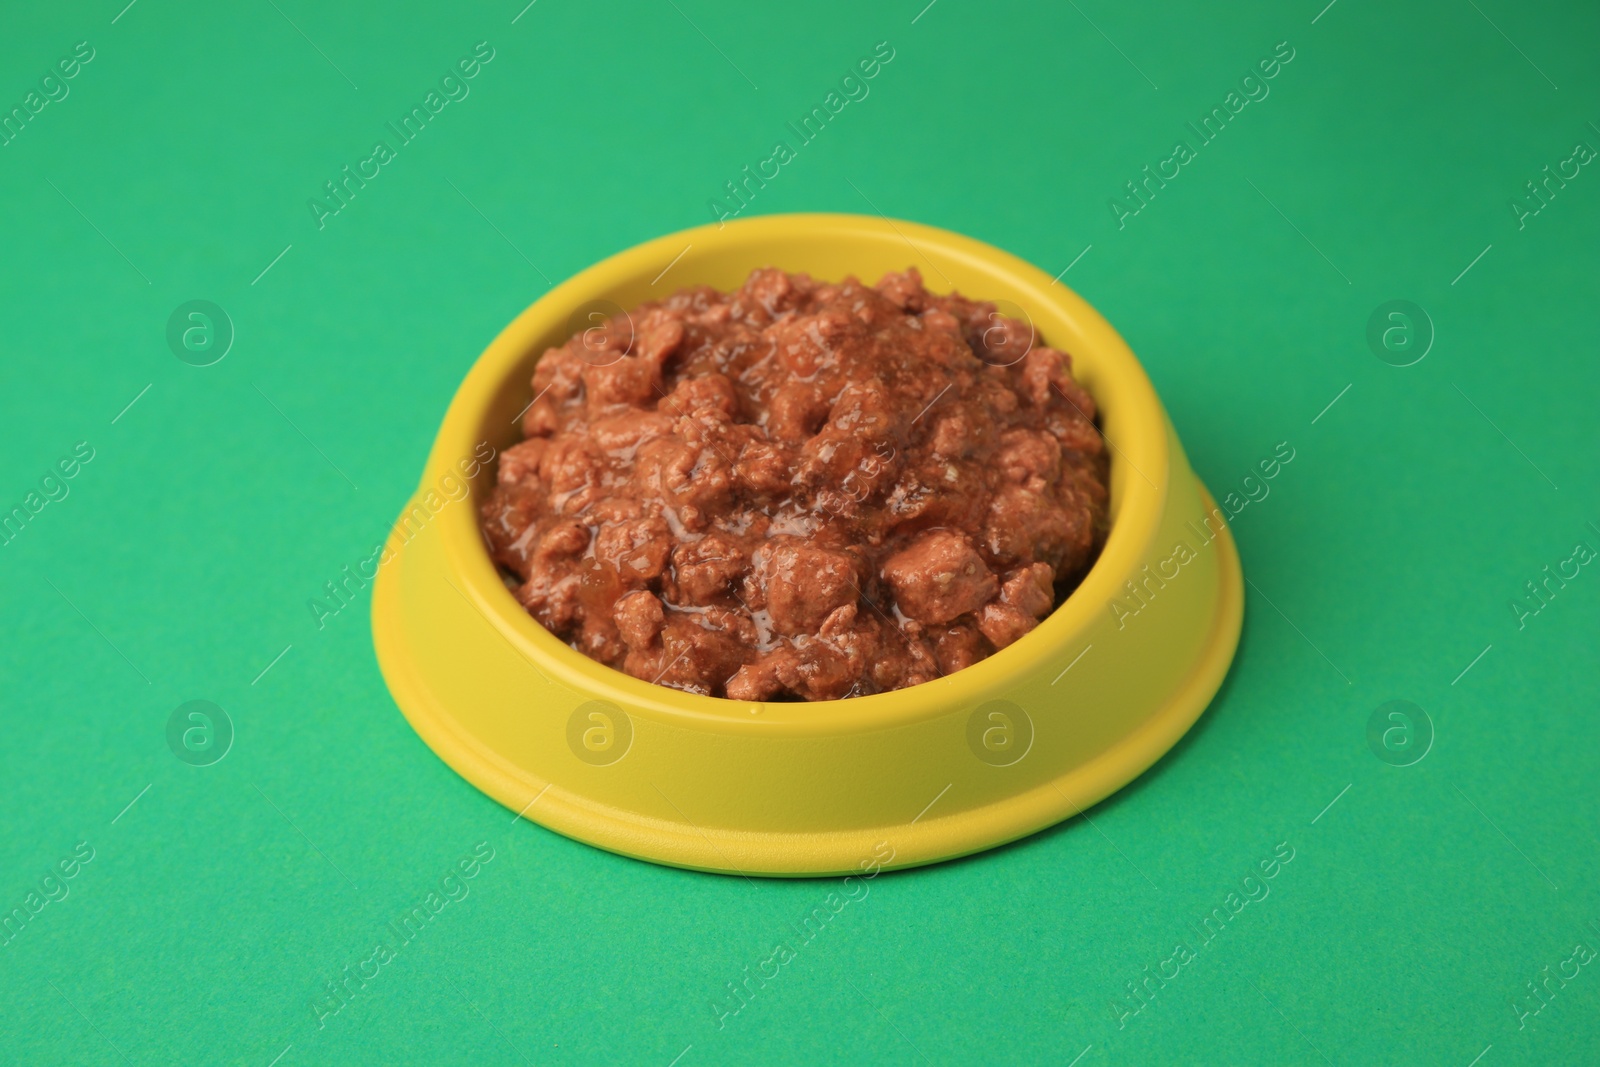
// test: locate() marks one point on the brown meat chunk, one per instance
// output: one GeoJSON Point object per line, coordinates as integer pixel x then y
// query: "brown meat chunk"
{"type": "Point", "coordinates": [959, 646]}
{"type": "Point", "coordinates": [764, 468]}
{"type": "Point", "coordinates": [1024, 598]}
{"type": "Point", "coordinates": [800, 585]}
{"type": "Point", "coordinates": [631, 381]}
{"type": "Point", "coordinates": [659, 336]}
{"type": "Point", "coordinates": [1029, 454]}
{"type": "Point", "coordinates": [639, 619]}
{"type": "Point", "coordinates": [939, 577]}
{"type": "Point", "coordinates": [638, 548]}
{"type": "Point", "coordinates": [704, 570]}
{"type": "Point", "coordinates": [521, 461]}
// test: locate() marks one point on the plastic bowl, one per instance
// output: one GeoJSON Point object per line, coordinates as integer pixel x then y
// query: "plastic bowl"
{"type": "Point", "coordinates": [1030, 736]}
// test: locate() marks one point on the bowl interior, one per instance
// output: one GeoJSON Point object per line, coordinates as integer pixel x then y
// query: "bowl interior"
{"type": "Point", "coordinates": [829, 247]}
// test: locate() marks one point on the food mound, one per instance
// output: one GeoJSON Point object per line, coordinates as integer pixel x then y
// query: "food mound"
{"type": "Point", "coordinates": [799, 490]}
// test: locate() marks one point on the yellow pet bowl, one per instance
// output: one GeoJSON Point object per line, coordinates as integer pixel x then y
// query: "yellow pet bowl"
{"type": "Point", "coordinates": [1030, 736]}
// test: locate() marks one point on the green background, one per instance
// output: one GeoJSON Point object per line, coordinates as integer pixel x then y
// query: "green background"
{"type": "Point", "coordinates": [1380, 165]}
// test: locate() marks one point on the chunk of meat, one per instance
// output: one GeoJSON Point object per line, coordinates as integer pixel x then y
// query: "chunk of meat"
{"type": "Point", "coordinates": [631, 381]}
{"type": "Point", "coordinates": [1003, 341]}
{"type": "Point", "coordinates": [1028, 523]}
{"type": "Point", "coordinates": [660, 335]}
{"type": "Point", "coordinates": [1029, 456]}
{"type": "Point", "coordinates": [710, 394]}
{"type": "Point", "coordinates": [764, 467]}
{"type": "Point", "coordinates": [639, 618]}
{"type": "Point", "coordinates": [939, 577]}
{"type": "Point", "coordinates": [704, 570]}
{"type": "Point", "coordinates": [686, 476]}
{"type": "Point", "coordinates": [521, 461]}
{"type": "Point", "coordinates": [638, 548]}
{"type": "Point", "coordinates": [1024, 598]}
{"type": "Point", "coordinates": [800, 585]}
{"type": "Point", "coordinates": [959, 646]}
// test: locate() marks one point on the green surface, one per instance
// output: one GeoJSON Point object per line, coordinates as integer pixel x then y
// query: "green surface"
{"type": "Point", "coordinates": [1415, 910]}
